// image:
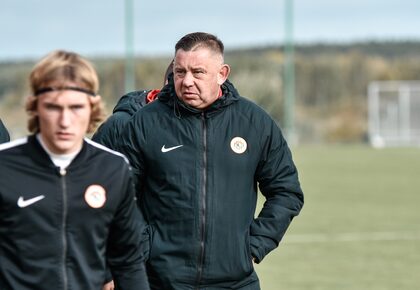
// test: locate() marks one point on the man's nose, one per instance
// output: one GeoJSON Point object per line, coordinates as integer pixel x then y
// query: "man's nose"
{"type": "Point", "coordinates": [188, 79]}
{"type": "Point", "coordinates": [65, 118]}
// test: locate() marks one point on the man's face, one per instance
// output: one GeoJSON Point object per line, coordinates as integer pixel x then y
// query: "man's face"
{"type": "Point", "coordinates": [198, 75]}
{"type": "Point", "coordinates": [64, 118]}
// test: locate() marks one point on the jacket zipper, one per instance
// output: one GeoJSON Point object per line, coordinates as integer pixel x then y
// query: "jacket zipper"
{"type": "Point", "coordinates": [203, 204]}
{"type": "Point", "coordinates": [63, 173]}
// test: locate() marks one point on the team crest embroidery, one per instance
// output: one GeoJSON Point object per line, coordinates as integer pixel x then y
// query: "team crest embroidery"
{"type": "Point", "coordinates": [95, 196]}
{"type": "Point", "coordinates": [238, 145]}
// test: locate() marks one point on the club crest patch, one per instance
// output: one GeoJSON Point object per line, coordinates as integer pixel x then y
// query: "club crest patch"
{"type": "Point", "coordinates": [238, 145]}
{"type": "Point", "coordinates": [95, 196]}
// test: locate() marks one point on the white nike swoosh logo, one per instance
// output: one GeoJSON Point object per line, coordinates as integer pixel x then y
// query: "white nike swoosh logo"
{"type": "Point", "coordinates": [24, 203]}
{"type": "Point", "coordinates": [164, 150]}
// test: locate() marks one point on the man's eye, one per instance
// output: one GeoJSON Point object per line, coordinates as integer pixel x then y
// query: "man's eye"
{"type": "Point", "coordinates": [52, 107]}
{"type": "Point", "coordinates": [77, 107]}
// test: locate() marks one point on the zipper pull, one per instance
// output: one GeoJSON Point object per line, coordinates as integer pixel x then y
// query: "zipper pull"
{"type": "Point", "coordinates": [63, 171]}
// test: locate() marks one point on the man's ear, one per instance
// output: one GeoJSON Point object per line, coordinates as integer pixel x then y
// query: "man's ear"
{"type": "Point", "coordinates": [223, 74]}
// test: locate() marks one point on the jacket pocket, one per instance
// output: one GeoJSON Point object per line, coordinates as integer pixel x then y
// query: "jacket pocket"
{"type": "Point", "coordinates": [233, 260]}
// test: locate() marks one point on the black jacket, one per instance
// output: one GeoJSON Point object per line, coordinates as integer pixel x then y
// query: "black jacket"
{"type": "Point", "coordinates": [4, 135]}
{"type": "Point", "coordinates": [197, 176]}
{"type": "Point", "coordinates": [127, 105]}
{"type": "Point", "coordinates": [54, 230]}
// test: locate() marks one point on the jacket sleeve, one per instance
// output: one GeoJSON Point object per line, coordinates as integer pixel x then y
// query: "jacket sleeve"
{"type": "Point", "coordinates": [126, 243]}
{"type": "Point", "coordinates": [278, 182]}
{"type": "Point", "coordinates": [128, 143]}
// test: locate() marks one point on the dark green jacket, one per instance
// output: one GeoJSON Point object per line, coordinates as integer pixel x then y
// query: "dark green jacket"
{"type": "Point", "coordinates": [127, 105]}
{"type": "Point", "coordinates": [197, 178]}
{"type": "Point", "coordinates": [4, 135]}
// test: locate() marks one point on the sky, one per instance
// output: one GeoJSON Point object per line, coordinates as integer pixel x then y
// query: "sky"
{"type": "Point", "coordinates": [32, 28]}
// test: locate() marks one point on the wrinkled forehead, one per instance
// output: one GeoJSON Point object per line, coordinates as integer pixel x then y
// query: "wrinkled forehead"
{"type": "Point", "coordinates": [198, 55]}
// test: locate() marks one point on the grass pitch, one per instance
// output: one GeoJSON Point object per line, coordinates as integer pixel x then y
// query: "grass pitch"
{"type": "Point", "coordinates": [360, 225]}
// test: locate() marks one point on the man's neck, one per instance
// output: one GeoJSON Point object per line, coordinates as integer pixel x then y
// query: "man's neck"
{"type": "Point", "coordinates": [59, 160]}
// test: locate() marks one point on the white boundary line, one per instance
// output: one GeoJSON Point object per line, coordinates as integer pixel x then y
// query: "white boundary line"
{"type": "Point", "coordinates": [351, 237]}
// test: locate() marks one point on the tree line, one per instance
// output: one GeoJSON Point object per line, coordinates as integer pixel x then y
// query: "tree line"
{"type": "Point", "coordinates": [331, 82]}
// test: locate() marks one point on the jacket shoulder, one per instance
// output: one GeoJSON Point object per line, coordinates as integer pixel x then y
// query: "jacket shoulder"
{"type": "Point", "coordinates": [253, 111]}
{"type": "Point", "coordinates": [5, 148]}
{"type": "Point", "coordinates": [108, 131]}
{"type": "Point", "coordinates": [107, 152]}
{"type": "Point", "coordinates": [13, 152]}
{"type": "Point", "coordinates": [131, 102]}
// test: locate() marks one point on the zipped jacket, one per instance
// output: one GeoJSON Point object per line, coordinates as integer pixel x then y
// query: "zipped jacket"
{"type": "Point", "coordinates": [58, 227]}
{"type": "Point", "coordinates": [198, 173]}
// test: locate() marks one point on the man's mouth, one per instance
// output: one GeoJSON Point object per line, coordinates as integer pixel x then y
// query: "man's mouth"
{"type": "Point", "coordinates": [64, 135]}
{"type": "Point", "coordinates": [189, 94]}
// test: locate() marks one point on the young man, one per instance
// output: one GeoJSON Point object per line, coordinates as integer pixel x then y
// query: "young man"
{"type": "Point", "coordinates": [4, 135]}
{"type": "Point", "coordinates": [67, 204]}
{"type": "Point", "coordinates": [199, 153]}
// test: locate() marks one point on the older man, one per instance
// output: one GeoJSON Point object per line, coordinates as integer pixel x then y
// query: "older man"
{"type": "Point", "coordinates": [199, 153]}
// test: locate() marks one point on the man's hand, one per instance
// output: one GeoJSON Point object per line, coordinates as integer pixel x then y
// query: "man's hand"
{"type": "Point", "coordinates": [109, 286]}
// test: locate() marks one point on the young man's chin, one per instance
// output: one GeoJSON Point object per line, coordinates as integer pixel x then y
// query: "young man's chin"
{"type": "Point", "coordinates": [65, 146]}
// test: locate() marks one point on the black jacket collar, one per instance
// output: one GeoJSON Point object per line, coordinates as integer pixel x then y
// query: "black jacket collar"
{"type": "Point", "coordinates": [38, 154]}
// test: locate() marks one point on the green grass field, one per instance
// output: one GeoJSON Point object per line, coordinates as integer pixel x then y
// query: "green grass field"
{"type": "Point", "coordinates": [360, 225]}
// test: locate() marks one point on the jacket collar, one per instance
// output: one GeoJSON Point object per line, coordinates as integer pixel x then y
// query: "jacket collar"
{"type": "Point", "coordinates": [38, 154]}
